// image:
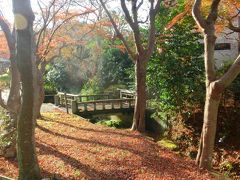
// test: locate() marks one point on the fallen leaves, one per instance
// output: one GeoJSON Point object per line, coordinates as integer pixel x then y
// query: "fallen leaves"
{"type": "Point", "coordinates": [70, 147]}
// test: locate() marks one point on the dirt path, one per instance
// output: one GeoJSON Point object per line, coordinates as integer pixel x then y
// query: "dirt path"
{"type": "Point", "coordinates": [48, 107]}
{"type": "Point", "coordinates": [72, 148]}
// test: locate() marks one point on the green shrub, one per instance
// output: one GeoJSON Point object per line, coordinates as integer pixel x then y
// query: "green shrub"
{"type": "Point", "coordinates": [116, 123]}
{"type": "Point", "coordinates": [57, 77]}
{"type": "Point", "coordinates": [175, 74]}
{"type": "Point", "coordinates": [49, 88]}
{"type": "Point", "coordinates": [5, 80]}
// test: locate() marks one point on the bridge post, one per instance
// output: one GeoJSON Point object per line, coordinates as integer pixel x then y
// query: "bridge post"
{"type": "Point", "coordinates": [103, 104]}
{"type": "Point", "coordinates": [56, 100]}
{"type": "Point", "coordinates": [85, 107]}
{"type": "Point", "coordinates": [66, 102]}
{"type": "Point", "coordinates": [74, 107]}
{"type": "Point", "coordinates": [121, 104]}
{"type": "Point", "coordinates": [120, 94]}
{"type": "Point", "coordinates": [94, 106]}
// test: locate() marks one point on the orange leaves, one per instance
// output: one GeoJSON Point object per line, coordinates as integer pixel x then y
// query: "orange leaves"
{"type": "Point", "coordinates": [72, 148]}
{"type": "Point", "coordinates": [4, 51]}
{"type": "Point", "coordinates": [187, 10]}
{"type": "Point", "coordinates": [121, 47]}
{"type": "Point", "coordinates": [228, 11]}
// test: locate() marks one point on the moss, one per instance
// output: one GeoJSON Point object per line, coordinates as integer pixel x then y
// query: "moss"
{"type": "Point", "coordinates": [167, 144]}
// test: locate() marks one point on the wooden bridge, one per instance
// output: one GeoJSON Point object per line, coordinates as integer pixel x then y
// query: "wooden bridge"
{"type": "Point", "coordinates": [85, 105]}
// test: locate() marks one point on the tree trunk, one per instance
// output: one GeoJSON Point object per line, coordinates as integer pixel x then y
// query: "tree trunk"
{"type": "Point", "coordinates": [205, 152]}
{"type": "Point", "coordinates": [14, 99]}
{"type": "Point", "coordinates": [141, 96]}
{"type": "Point", "coordinates": [13, 106]}
{"type": "Point", "coordinates": [213, 95]}
{"type": "Point", "coordinates": [40, 84]}
{"type": "Point", "coordinates": [27, 159]}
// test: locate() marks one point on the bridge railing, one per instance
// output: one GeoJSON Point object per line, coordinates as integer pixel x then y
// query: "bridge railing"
{"type": "Point", "coordinates": [83, 103]}
{"type": "Point", "coordinates": [61, 98]}
{"type": "Point", "coordinates": [108, 104]}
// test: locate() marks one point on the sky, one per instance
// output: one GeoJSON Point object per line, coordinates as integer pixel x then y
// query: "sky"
{"type": "Point", "coordinates": [6, 8]}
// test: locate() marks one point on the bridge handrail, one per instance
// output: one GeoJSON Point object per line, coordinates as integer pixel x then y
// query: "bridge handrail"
{"type": "Point", "coordinates": [78, 95]}
{"type": "Point", "coordinates": [106, 101]}
{"type": "Point", "coordinates": [74, 101]}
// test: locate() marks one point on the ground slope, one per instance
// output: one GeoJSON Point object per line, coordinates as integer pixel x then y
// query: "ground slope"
{"type": "Point", "coordinates": [70, 147]}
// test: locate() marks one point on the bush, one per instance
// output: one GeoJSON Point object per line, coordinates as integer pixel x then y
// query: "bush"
{"type": "Point", "coordinates": [49, 88]}
{"type": "Point", "coordinates": [56, 77]}
{"type": "Point", "coordinates": [175, 74]}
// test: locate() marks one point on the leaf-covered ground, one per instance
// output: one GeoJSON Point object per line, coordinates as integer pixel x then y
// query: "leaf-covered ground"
{"type": "Point", "coordinates": [70, 147]}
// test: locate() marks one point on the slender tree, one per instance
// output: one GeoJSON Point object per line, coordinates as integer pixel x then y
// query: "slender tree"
{"type": "Point", "coordinates": [27, 159]}
{"type": "Point", "coordinates": [141, 54]}
{"type": "Point", "coordinates": [53, 16]}
{"type": "Point", "coordinates": [214, 85]}
{"type": "Point", "coordinates": [13, 103]}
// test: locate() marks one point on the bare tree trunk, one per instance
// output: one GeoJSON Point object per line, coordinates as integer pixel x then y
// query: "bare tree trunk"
{"type": "Point", "coordinates": [213, 95]}
{"type": "Point", "coordinates": [13, 106]}
{"type": "Point", "coordinates": [205, 152]}
{"type": "Point", "coordinates": [40, 84]}
{"type": "Point", "coordinates": [141, 96]}
{"type": "Point", "coordinates": [13, 102]}
{"type": "Point", "coordinates": [14, 99]}
{"type": "Point", "coordinates": [214, 87]}
{"type": "Point", "coordinates": [27, 159]}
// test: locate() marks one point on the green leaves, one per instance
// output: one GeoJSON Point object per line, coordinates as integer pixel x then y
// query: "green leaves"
{"type": "Point", "coordinates": [176, 73]}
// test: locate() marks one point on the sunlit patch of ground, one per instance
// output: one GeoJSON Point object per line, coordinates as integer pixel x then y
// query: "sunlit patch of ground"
{"type": "Point", "coordinates": [71, 147]}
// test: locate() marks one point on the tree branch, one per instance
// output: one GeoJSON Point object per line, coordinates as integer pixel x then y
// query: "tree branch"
{"type": "Point", "coordinates": [212, 17]}
{"type": "Point", "coordinates": [196, 12]}
{"type": "Point", "coordinates": [152, 29]}
{"type": "Point", "coordinates": [231, 74]}
{"type": "Point", "coordinates": [127, 14]}
{"type": "Point", "coordinates": [232, 27]}
{"type": "Point", "coordinates": [119, 34]}
{"type": "Point", "coordinates": [133, 24]}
